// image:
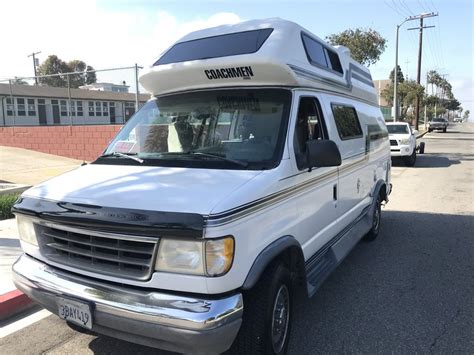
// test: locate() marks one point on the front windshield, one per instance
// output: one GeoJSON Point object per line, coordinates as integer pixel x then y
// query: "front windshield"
{"type": "Point", "coordinates": [438, 120]}
{"type": "Point", "coordinates": [397, 129]}
{"type": "Point", "coordinates": [237, 129]}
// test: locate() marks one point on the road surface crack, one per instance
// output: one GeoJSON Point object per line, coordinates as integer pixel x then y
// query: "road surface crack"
{"type": "Point", "coordinates": [444, 330]}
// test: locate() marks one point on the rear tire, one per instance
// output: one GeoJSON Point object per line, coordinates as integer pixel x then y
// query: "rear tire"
{"type": "Point", "coordinates": [268, 309]}
{"type": "Point", "coordinates": [376, 219]}
{"type": "Point", "coordinates": [422, 148]}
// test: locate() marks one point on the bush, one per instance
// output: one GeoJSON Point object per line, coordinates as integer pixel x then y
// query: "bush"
{"type": "Point", "coordinates": [6, 203]}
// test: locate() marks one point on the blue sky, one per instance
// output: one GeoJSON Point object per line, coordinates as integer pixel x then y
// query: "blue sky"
{"type": "Point", "coordinates": [108, 33]}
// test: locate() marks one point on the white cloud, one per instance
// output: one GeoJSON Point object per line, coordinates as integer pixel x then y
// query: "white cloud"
{"type": "Point", "coordinates": [80, 30]}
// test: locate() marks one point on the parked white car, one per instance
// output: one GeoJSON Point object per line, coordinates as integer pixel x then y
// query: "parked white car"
{"type": "Point", "coordinates": [260, 162]}
{"type": "Point", "coordinates": [403, 142]}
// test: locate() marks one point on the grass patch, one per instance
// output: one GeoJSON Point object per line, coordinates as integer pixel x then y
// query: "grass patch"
{"type": "Point", "coordinates": [6, 203]}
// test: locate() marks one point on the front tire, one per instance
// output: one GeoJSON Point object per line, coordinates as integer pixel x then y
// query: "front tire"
{"type": "Point", "coordinates": [267, 315]}
{"type": "Point", "coordinates": [411, 159]}
{"type": "Point", "coordinates": [376, 219]}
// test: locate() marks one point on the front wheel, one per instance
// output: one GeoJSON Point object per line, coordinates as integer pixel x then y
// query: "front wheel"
{"type": "Point", "coordinates": [267, 315]}
{"type": "Point", "coordinates": [376, 218]}
{"type": "Point", "coordinates": [411, 159]}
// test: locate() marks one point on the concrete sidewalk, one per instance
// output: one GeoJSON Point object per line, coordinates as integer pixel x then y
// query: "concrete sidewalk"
{"type": "Point", "coordinates": [28, 167]}
{"type": "Point", "coordinates": [12, 301]}
{"type": "Point", "coordinates": [23, 166]}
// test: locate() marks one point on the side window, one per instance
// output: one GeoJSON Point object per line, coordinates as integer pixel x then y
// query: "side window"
{"type": "Point", "coordinates": [315, 51]}
{"type": "Point", "coordinates": [320, 55]}
{"type": "Point", "coordinates": [347, 122]}
{"type": "Point", "coordinates": [309, 125]}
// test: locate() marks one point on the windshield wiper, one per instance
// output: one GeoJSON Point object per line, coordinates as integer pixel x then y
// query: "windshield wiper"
{"type": "Point", "coordinates": [217, 156]}
{"type": "Point", "coordinates": [123, 155]}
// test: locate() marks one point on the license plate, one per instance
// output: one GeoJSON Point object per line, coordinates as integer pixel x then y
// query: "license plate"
{"type": "Point", "coordinates": [76, 312]}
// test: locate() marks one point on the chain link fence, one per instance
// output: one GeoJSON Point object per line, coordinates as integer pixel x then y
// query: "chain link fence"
{"type": "Point", "coordinates": [30, 101]}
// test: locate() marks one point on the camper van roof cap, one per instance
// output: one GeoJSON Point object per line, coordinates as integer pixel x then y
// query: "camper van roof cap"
{"type": "Point", "coordinates": [271, 52]}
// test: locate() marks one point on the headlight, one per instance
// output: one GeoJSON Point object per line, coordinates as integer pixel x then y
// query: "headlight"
{"type": "Point", "coordinates": [404, 141]}
{"type": "Point", "coordinates": [207, 258]}
{"type": "Point", "coordinates": [26, 229]}
{"type": "Point", "coordinates": [181, 256]}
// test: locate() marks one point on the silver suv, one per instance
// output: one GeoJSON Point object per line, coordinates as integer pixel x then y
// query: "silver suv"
{"type": "Point", "coordinates": [439, 124]}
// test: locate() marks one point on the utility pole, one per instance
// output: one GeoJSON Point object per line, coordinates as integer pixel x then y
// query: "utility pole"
{"type": "Point", "coordinates": [34, 64]}
{"type": "Point", "coordinates": [420, 49]}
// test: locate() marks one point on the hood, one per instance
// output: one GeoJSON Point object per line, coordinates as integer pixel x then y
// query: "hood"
{"type": "Point", "coordinates": [146, 188]}
{"type": "Point", "coordinates": [399, 136]}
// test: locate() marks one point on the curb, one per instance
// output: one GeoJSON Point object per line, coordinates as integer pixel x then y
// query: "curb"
{"type": "Point", "coordinates": [12, 303]}
{"type": "Point", "coordinates": [421, 135]}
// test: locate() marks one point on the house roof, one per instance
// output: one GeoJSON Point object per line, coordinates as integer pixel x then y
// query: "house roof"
{"type": "Point", "coordinates": [62, 93]}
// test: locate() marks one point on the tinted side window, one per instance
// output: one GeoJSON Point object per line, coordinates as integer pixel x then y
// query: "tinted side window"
{"type": "Point", "coordinates": [334, 60]}
{"type": "Point", "coordinates": [218, 46]}
{"type": "Point", "coordinates": [319, 55]}
{"type": "Point", "coordinates": [314, 51]}
{"type": "Point", "coordinates": [347, 122]}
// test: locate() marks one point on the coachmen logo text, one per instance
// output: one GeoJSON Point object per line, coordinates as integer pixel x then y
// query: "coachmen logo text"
{"type": "Point", "coordinates": [225, 73]}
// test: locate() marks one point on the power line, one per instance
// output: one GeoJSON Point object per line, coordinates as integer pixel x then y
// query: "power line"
{"type": "Point", "coordinates": [406, 6]}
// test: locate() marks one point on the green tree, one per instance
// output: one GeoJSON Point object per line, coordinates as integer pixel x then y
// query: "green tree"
{"type": "Point", "coordinates": [90, 75]}
{"type": "Point", "coordinates": [54, 65]}
{"type": "Point", "coordinates": [77, 80]}
{"type": "Point", "coordinates": [366, 45]}
{"type": "Point", "coordinates": [19, 81]}
{"type": "Point", "coordinates": [400, 76]}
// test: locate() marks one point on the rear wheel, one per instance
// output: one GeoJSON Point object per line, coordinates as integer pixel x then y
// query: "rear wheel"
{"type": "Point", "coordinates": [376, 219]}
{"type": "Point", "coordinates": [422, 148]}
{"type": "Point", "coordinates": [267, 314]}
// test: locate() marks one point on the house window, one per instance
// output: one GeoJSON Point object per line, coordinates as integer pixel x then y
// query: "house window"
{"type": "Point", "coordinates": [80, 112]}
{"type": "Point", "coordinates": [31, 107]}
{"type": "Point", "coordinates": [98, 108]}
{"type": "Point", "coordinates": [20, 104]}
{"type": "Point", "coordinates": [63, 107]}
{"type": "Point", "coordinates": [91, 109]}
{"type": "Point", "coordinates": [129, 110]}
{"type": "Point", "coordinates": [10, 107]}
{"type": "Point", "coordinates": [73, 108]}
{"type": "Point", "coordinates": [347, 122]}
{"type": "Point", "coordinates": [105, 108]}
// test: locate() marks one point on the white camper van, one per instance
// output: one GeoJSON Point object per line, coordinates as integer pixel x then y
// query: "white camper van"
{"type": "Point", "coordinates": [260, 162]}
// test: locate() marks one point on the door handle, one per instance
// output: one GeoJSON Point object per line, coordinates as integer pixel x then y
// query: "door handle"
{"type": "Point", "coordinates": [334, 192]}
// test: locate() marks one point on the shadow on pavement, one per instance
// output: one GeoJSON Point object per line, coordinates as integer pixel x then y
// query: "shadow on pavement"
{"type": "Point", "coordinates": [409, 291]}
{"type": "Point", "coordinates": [428, 161]}
{"type": "Point", "coordinates": [107, 345]}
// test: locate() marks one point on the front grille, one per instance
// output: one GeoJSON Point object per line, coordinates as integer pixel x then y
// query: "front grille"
{"type": "Point", "coordinates": [393, 142]}
{"type": "Point", "coordinates": [105, 253]}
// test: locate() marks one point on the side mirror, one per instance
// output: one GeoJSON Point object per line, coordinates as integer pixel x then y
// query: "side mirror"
{"type": "Point", "coordinates": [322, 153]}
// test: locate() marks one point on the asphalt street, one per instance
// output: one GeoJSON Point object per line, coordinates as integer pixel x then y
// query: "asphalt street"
{"type": "Point", "coordinates": [410, 291]}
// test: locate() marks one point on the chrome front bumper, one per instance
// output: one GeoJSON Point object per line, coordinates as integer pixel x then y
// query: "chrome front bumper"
{"type": "Point", "coordinates": [162, 320]}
